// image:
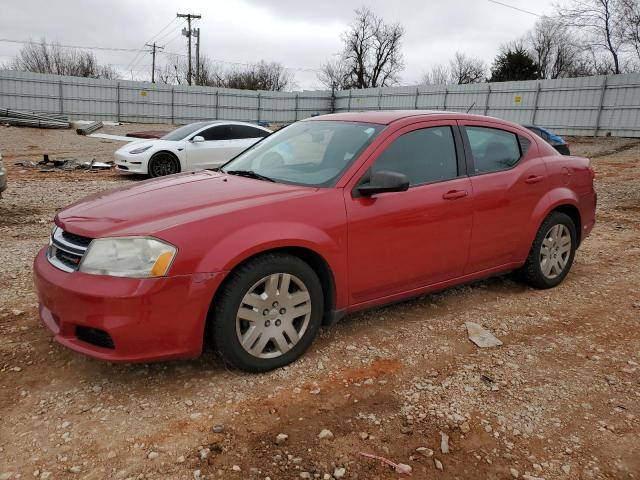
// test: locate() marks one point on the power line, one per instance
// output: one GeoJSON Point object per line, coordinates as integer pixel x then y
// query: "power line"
{"type": "Point", "coordinates": [153, 37]}
{"type": "Point", "coordinates": [244, 64]}
{"type": "Point", "coordinates": [515, 8]}
{"type": "Point", "coordinates": [81, 47]}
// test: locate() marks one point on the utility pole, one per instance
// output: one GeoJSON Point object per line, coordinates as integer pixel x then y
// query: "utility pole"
{"type": "Point", "coordinates": [197, 35]}
{"type": "Point", "coordinates": [187, 32]}
{"type": "Point", "coordinates": [153, 60]}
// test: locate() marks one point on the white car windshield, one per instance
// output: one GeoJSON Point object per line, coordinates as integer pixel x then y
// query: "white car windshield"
{"type": "Point", "coordinates": [183, 132]}
{"type": "Point", "coordinates": [313, 153]}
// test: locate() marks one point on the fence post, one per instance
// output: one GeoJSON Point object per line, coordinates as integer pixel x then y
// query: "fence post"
{"type": "Point", "coordinates": [379, 98]}
{"type": "Point", "coordinates": [415, 102]}
{"type": "Point", "coordinates": [602, 92]}
{"type": "Point", "coordinates": [349, 104]}
{"type": "Point", "coordinates": [535, 105]}
{"type": "Point", "coordinates": [444, 104]}
{"type": "Point", "coordinates": [486, 100]}
{"type": "Point", "coordinates": [173, 115]}
{"type": "Point", "coordinates": [333, 99]}
{"type": "Point", "coordinates": [258, 106]}
{"type": "Point", "coordinates": [217, 101]}
{"type": "Point", "coordinates": [296, 110]}
{"type": "Point", "coordinates": [118, 102]}
{"type": "Point", "coordinates": [60, 96]}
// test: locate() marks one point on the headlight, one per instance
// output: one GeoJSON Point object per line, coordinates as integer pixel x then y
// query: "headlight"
{"type": "Point", "coordinates": [141, 149]}
{"type": "Point", "coordinates": [137, 257]}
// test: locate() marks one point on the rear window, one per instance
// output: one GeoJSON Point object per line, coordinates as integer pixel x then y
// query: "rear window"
{"type": "Point", "coordinates": [493, 149]}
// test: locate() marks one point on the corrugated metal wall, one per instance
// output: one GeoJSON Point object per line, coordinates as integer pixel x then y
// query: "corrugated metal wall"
{"type": "Point", "coordinates": [126, 101]}
{"type": "Point", "coordinates": [572, 106]}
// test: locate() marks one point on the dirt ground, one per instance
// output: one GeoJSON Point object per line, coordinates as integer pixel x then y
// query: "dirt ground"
{"type": "Point", "coordinates": [560, 399]}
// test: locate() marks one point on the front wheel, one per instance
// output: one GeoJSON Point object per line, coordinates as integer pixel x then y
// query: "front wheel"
{"type": "Point", "coordinates": [163, 163]}
{"type": "Point", "coordinates": [552, 252]}
{"type": "Point", "coordinates": [268, 312]}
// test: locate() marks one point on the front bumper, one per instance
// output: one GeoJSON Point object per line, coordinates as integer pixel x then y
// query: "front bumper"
{"type": "Point", "coordinates": [126, 162]}
{"type": "Point", "coordinates": [146, 319]}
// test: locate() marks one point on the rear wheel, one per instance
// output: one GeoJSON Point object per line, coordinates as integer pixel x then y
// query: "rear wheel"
{"type": "Point", "coordinates": [268, 313]}
{"type": "Point", "coordinates": [163, 163]}
{"type": "Point", "coordinates": [552, 252]}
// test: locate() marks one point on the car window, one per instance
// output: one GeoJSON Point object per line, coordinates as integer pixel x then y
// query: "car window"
{"type": "Point", "coordinates": [539, 132]}
{"type": "Point", "coordinates": [493, 149]}
{"type": "Point", "coordinates": [184, 131]}
{"type": "Point", "coordinates": [245, 131]}
{"type": "Point", "coordinates": [220, 132]}
{"type": "Point", "coordinates": [425, 155]}
{"type": "Point", "coordinates": [312, 153]}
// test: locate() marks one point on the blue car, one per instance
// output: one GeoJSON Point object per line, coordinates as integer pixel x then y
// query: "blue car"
{"type": "Point", "coordinates": [556, 141]}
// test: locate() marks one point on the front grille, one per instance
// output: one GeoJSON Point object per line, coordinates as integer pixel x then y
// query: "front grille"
{"type": "Point", "coordinates": [66, 250]}
{"type": "Point", "coordinates": [94, 336]}
{"type": "Point", "coordinates": [76, 239]}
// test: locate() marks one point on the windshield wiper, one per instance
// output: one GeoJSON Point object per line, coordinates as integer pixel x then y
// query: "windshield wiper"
{"type": "Point", "coordinates": [249, 174]}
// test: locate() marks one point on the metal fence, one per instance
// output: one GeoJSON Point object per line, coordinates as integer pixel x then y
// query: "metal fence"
{"type": "Point", "coordinates": [602, 105]}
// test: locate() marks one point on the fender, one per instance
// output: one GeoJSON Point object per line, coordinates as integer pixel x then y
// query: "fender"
{"type": "Point", "coordinates": [549, 202]}
{"type": "Point", "coordinates": [256, 238]}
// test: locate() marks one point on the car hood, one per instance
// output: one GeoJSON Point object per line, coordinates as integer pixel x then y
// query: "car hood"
{"type": "Point", "coordinates": [151, 206]}
{"type": "Point", "coordinates": [143, 142]}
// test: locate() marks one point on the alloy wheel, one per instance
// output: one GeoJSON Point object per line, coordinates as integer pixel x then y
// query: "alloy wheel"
{"type": "Point", "coordinates": [163, 165]}
{"type": "Point", "coordinates": [273, 315]}
{"type": "Point", "coordinates": [555, 251]}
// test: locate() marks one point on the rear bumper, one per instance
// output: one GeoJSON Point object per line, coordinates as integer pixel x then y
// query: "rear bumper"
{"type": "Point", "coordinates": [146, 319]}
{"type": "Point", "coordinates": [588, 203]}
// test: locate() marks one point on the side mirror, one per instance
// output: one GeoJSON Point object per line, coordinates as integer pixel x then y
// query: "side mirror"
{"type": "Point", "coordinates": [384, 181]}
{"type": "Point", "coordinates": [197, 139]}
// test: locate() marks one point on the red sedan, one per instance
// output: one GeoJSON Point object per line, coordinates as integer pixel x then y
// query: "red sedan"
{"type": "Point", "coordinates": [327, 216]}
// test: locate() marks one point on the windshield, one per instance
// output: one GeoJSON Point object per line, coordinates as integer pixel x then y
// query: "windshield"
{"type": "Point", "coordinates": [313, 153]}
{"type": "Point", "coordinates": [183, 132]}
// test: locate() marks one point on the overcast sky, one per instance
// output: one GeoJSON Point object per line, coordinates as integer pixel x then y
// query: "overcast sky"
{"type": "Point", "coordinates": [298, 34]}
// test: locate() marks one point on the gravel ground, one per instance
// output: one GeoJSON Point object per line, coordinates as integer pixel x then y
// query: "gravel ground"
{"type": "Point", "coordinates": [559, 399]}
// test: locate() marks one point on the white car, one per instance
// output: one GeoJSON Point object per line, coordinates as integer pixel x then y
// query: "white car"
{"type": "Point", "coordinates": [191, 147]}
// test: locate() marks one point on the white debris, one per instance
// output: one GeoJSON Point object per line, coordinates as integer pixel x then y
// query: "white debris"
{"type": "Point", "coordinates": [444, 442]}
{"type": "Point", "coordinates": [325, 434]}
{"type": "Point", "coordinates": [480, 336]}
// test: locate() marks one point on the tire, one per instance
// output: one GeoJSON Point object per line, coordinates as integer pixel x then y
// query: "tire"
{"type": "Point", "coordinates": [274, 334]}
{"type": "Point", "coordinates": [542, 269]}
{"type": "Point", "coordinates": [163, 163]}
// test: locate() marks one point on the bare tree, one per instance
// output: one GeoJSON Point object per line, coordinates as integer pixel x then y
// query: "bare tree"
{"type": "Point", "coordinates": [260, 76]}
{"type": "Point", "coordinates": [554, 48]}
{"type": "Point", "coordinates": [465, 69]}
{"type": "Point", "coordinates": [53, 58]}
{"type": "Point", "coordinates": [631, 15]}
{"type": "Point", "coordinates": [334, 75]}
{"type": "Point", "coordinates": [371, 55]}
{"type": "Point", "coordinates": [603, 25]}
{"type": "Point", "coordinates": [438, 75]}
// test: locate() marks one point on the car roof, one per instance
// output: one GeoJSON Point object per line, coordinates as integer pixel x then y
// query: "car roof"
{"type": "Point", "coordinates": [210, 123]}
{"type": "Point", "coordinates": [387, 117]}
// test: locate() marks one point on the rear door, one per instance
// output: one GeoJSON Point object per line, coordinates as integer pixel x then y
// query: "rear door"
{"type": "Point", "coordinates": [243, 136]}
{"type": "Point", "coordinates": [402, 241]}
{"type": "Point", "coordinates": [508, 180]}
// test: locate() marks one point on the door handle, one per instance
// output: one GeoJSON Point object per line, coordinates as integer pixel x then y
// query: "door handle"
{"type": "Point", "coordinates": [454, 194]}
{"type": "Point", "coordinates": [534, 179]}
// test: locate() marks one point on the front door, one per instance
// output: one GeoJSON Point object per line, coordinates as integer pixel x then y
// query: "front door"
{"type": "Point", "coordinates": [402, 241]}
{"type": "Point", "coordinates": [216, 149]}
